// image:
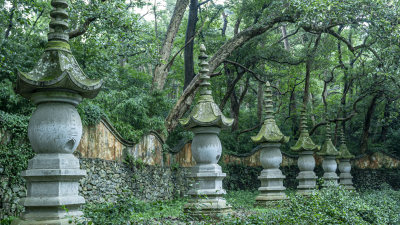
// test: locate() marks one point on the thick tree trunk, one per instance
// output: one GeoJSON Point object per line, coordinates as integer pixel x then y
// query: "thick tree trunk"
{"type": "Point", "coordinates": [367, 123]}
{"type": "Point", "coordinates": [190, 32]}
{"type": "Point", "coordinates": [161, 69]}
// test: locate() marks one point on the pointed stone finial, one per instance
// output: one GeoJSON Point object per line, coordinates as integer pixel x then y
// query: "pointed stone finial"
{"type": "Point", "coordinates": [269, 131]}
{"type": "Point", "coordinates": [342, 138]}
{"type": "Point", "coordinates": [59, 21]}
{"type": "Point", "coordinates": [304, 143]}
{"type": "Point", "coordinates": [205, 112]}
{"type": "Point", "coordinates": [269, 108]}
{"type": "Point", "coordinates": [328, 149]}
{"type": "Point", "coordinates": [57, 68]}
{"type": "Point", "coordinates": [328, 132]}
{"type": "Point", "coordinates": [344, 152]}
{"type": "Point", "coordinates": [303, 121]}
{"type": "Point", "coordinates": [205, 79]}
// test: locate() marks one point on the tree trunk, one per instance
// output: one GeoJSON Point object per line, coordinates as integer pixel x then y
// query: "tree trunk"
{"type": "Point", "coordinates": [385, 126]}
{"type": "Point", "coordinates": [285, 41]}
{"type": "Point", "coordinates": [367, 123]}
{"type": "Point", "coordinates": [237, 25]}
{"type": "Point", "coordinates": [309, 62]}
{"type": "Point", "coordinates": [161, 69]}
{"type": "Point", "coordinates": [293, 110]}
{"type": "Point", "coordinates": [190, 32]}
{"type": "Point", "coordinates": [225, 24]}
{"type": "Point", "coordinates": [155, 19]}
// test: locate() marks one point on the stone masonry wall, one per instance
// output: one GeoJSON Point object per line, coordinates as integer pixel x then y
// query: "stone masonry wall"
{"type": "Point", "coordinates": [107, 180]}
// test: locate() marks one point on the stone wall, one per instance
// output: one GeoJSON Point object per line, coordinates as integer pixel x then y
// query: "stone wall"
{"type": "Point", "coordinates": [107, 180]}
{"type": "Point", "coordinates": [154, 174]}
{"type": "Point", "coordinates": [103, 142]}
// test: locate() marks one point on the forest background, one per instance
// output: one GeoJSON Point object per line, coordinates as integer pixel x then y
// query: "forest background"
{"type": "Point", "coordinates": [339, 59]}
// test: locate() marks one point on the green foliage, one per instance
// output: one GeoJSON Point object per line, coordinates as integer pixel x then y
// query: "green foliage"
{"type": "Point", "coordinates": [332, 205]}
{"type": "Point", "coordinates": [241, 177]}
{"type": "Point", "coordinates": [90, 113]}
{"type": "Point", "coordinates": [241, 199]}
{"type": "Point", "coordinates": [132, 210]}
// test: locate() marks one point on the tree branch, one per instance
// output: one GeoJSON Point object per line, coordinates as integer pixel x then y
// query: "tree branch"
{"type": "Point", "coordinates": [83, 28]}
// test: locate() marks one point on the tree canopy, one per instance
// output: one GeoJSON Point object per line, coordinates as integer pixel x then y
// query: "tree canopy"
{"type": "Point", "coordinates": [338, 59]}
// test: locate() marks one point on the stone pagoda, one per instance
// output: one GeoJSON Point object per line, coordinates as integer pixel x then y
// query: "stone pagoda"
{"type": "Point", "coordinates": [306, 162]}
{"type": "Point", "coordinates": [329, 154]}
{"type": "Point", "coordinates": [56, 85]}
{"type": "Point", "coordinates": [206, 121]}
{"type": "Point", "coordinates": [270, 138]}
{"type": "Point", "coordinates": [344, 164]}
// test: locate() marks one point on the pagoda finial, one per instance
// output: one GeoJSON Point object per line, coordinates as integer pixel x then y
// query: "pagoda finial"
{"type": "Point", "coordinates": [204, 77]}
{"type": "Point", "coordinates": [342, 138]}
{"type": "Point", "coordinates": [303, 121]}
{"type": "Point", "coordinates": [328, 127]}
{"type": "Point", "coordinates": [269, 132]}
{"type": "Point", "coordinates": [205, 112]}
{"type": "Point", "coordinates": [59, 21]}
{"type": "Point", "coordinates": [269, 108]}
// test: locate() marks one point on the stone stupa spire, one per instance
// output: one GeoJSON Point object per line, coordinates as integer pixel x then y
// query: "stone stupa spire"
{"type": "Point", "coordinates": [57, 68]}
{"type": "Point", "coordinates": [306, 162]}
{"type": "Point", "coordinates": [329, 153]}
{"type": "Point", "coordinates": [206, 121]}
{"type": "Point", "coordinates": [269, 131]}
{"type": "Point", "coordinates": [345, 177]}
{"type": "Point", "coordinates": [56, 85]}
{"type": "Point", "coordinates": [205, 112]}
{"type": "Point", "coordinates": [270, 139]}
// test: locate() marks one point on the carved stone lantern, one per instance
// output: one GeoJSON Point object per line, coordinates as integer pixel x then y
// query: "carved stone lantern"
{"type": "Point", "coordinates": [56, 85]}
{"type": "Point", "coordinates": [329, 153]}
{"type": "Point", "coordinates": [270, 138]}
{"type": "Point", "coordinates": [344, 164]}
{"type": "Point", "coordinates": [206, 121]}
{"type": "Point", "coordinates": [306, 162]}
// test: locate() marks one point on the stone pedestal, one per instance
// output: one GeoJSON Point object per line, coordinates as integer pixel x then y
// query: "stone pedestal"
{"type": "Point", "coordinates": [54, 132]}
{"type": "Point", "coordinates": [207, 192]}
{"type": "Point", "coordinates": [329, 165]}
{"type": "Point", "coordinates": [307, 178]}
{"type": "Point", "coordinates": [271, 176]}
{"type": "Point", "coordinates": [345, 176]}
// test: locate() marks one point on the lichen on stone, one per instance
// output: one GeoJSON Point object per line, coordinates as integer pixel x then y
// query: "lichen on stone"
{"type": "Point", "coordinates": [328, 149]}
{"type": "Point", "coordinates": [205, 112]}
{"type": "Point", "coordinates": [344, 152]}
{"type": "Point", "coordinates": [304, 143]}
{"type": "Point", "coordinates": [57, 68]}
{"type": "Point", "coordinates": [269, 131]}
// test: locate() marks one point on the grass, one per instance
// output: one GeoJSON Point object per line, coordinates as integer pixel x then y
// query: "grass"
{"type": "Point", "coordinates": [328, 206]}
